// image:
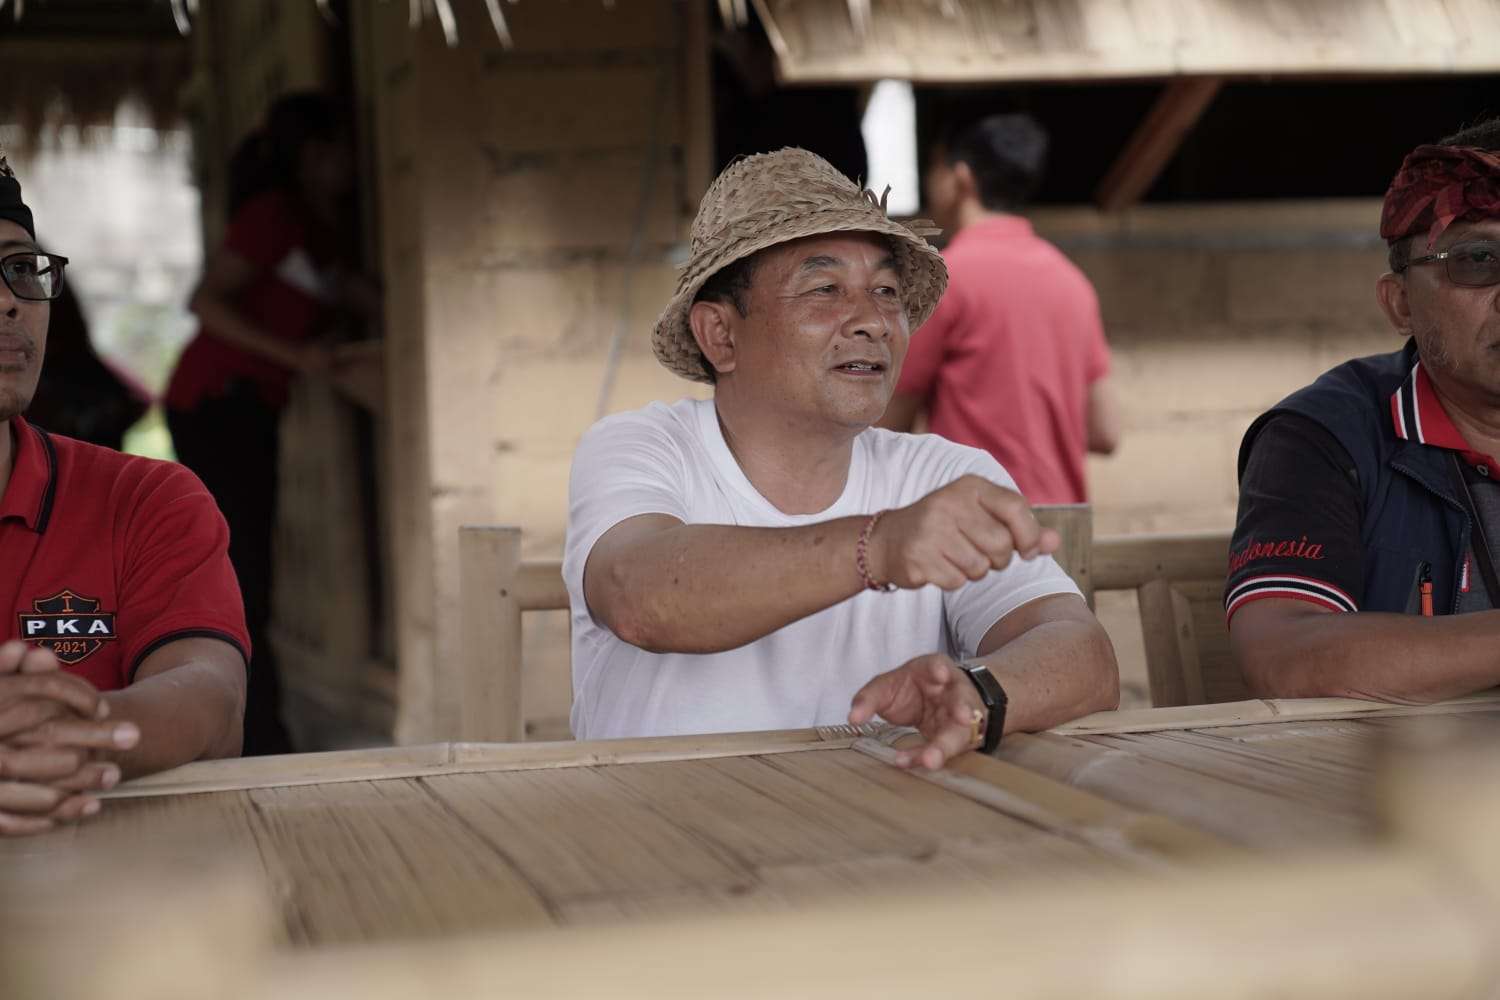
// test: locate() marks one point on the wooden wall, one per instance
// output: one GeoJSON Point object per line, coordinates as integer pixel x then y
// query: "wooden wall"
{"type": "Point", "coordinates": [510, 189]}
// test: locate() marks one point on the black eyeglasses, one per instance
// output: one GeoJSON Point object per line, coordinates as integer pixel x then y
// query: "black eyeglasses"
{"type": "Point", "coordinates": [37, 277]}
{"type": "Point", "coordinates": [1471, 264]}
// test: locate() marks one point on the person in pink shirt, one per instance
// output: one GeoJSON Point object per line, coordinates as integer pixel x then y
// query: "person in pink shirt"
{"type": "Point", "coordinates": [1014, 360]}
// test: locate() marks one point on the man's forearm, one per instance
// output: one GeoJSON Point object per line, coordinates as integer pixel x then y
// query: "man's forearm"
{"type": "Point", "coordinates": [185, 714]}
{"type": "Point", "coordinates": [1055, 672]}
{"type": "Point", "coordinates": [1406, 659]}
{"type": "Point", "coordinates": [705, 588]}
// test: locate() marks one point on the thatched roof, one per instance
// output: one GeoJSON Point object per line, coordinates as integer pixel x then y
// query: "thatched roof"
{"type": "Point", "coordinates": [84, 82]}
{"type": "Point", "coordinates": [75, 61]}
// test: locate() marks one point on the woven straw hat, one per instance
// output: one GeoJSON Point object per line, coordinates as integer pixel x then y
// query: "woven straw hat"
{"type": "Point", "coordinates": [773, 198]}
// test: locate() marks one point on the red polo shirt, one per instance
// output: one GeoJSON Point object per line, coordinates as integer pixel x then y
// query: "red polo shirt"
{"type": "Point", "coordinates": [105, 557]}
{"type": "Point", "coordinates": [1007, 359]}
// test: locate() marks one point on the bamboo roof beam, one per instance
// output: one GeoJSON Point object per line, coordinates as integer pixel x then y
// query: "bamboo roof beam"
{"type": "Point", "coordinates": [1156, 140]}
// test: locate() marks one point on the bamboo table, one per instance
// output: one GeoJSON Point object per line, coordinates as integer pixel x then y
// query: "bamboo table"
{"type": "Point", "coordinates": [1262, 774]}
{"type": "Point", "coordinates": [641, 845]}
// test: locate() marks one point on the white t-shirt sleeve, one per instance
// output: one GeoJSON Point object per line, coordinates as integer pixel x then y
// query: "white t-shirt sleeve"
{"type": "Point", "coordinates": [625, 466]}
{"type": "Point", "coordinates": [973, 609]}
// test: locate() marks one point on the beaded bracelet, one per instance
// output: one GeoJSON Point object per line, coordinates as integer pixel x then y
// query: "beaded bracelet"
{"type": "Point", "coordinates": [861, 557]}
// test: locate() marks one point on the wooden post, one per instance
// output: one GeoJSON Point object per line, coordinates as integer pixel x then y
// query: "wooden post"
{"type": "Point", "coordinates": [489, 675]}
{"type": "Point", "coordinates": [1075, 522]}
{"type": "Point", "coordinates": [1155, 141]}
{"type": "Point", "coordinates": [1171, 661]}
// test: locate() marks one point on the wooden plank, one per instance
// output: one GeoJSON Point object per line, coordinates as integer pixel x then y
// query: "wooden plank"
{"type": "Point", "coordinates": [1365, 925]}
{"type": "Point", "coordinates": [539, 586]}
{"type": "Point", "coordinates": [383, 860]}
{"type": "Point", "coordinates": [1247, 816]}
{"type": "Point", "coordinates": [917, 807]}
{"type": "Point", "coordinates": [578, 834]}
{"type": "Point", "coordinates": [1036, 798]}
{"type": "Point", "coordinates": [490, 666]}
{"type": "Point", "coordinates": [1296, 773]}
{"type": "Point", "coordinates": [1346, 743]}
{"type": "Point", "coordinates": [174, 828]}
{"type": "Point", "coordinates": [460, 758]}
{"type": "Point", "coordinates": [761, 815]}
{"type": "Point", "coordinates": [1124, 562]}
{"type": "Point", "coordinates": [1260, 711]}
{"type": "Point", "coordinates": [957, 866]}
{"type": "Point", "coordinates": [1156, 140]}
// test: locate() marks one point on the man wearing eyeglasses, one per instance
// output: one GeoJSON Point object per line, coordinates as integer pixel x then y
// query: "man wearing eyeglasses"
{"type": "Point", "coordinates": [1363, 562]}
{"type": "Point", "coordinates": [122, 633]}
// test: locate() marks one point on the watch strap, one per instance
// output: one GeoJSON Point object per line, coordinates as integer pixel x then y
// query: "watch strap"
{"type": "Point", "coordinates": [994, 698]}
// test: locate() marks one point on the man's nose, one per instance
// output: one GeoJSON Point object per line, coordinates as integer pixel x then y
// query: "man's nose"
{"type": "Point", "coordinates": [868, 319]}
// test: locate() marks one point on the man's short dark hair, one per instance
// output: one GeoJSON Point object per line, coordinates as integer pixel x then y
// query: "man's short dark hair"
{"type": "Point", "coordinates": [1006, 154]}
{"type": "Point", "coordinates": [1480, 135]}
{"type": "Point", "coordinates": [731, 286]}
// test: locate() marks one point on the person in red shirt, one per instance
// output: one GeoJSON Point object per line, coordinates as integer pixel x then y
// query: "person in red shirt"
{"type": "Point", "coordinates": [1014, 361]}
{"type": "Point", "coordinates": [122, 636]}
{"type": "Point", "coordinates": [267, 302]}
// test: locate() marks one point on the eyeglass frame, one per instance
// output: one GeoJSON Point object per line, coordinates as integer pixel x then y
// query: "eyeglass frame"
{"type": "Point", "coordinates": [1446, 255]}
{"type": "Point", "coordinates": [61, 274]}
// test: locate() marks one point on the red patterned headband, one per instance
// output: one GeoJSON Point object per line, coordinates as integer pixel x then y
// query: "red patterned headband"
{"type": "Point", "coordinates": [1438, 186]}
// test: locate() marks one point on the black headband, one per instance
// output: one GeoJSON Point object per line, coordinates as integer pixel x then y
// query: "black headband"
{"type": "Point", "coordinates": [11, 205]}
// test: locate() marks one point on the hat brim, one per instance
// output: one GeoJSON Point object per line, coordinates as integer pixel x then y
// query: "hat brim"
{"type": "Point", "coordinates": [924, 276]}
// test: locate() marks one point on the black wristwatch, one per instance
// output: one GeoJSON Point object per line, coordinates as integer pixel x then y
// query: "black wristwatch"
{"type": "Point", "coordinates": [993, 696]}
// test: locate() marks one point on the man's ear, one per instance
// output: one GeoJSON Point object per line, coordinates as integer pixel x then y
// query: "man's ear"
{"type": "Point", "coordinates": [1390, 292]}
{"type": "Point", "coordinates": [714, 330]}
{"type": "Point", "coordinates": [964, 181]}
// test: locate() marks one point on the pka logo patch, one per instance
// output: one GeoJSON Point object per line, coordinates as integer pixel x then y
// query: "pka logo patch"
{"type": "Point", "coordinates": [69, 624]}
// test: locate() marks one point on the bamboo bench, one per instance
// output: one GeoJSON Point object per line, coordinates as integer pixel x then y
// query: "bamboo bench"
{"type": "Point", "coordinates": [1178, 579]}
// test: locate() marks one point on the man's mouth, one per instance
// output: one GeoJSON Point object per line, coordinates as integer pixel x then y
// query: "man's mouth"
{"type": "Point", "coordinates": [861, 367]}
{"type": "Point", "coordinates": [15, 352]}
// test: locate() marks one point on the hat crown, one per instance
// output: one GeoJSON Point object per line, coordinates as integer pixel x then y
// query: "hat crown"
{"type": "Point", "coordinates": [788, 182]}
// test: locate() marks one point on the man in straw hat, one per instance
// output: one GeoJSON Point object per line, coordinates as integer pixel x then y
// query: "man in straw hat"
{"type": "Point", "coordinates": [122, 635]}
{"type": "Point", "coordinates": [754, 561]}
{"type": "Point", "coordinates": [1364, 559]}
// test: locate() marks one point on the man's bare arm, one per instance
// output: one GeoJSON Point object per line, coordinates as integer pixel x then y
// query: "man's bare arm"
{"type": "Point", "coordinates": [188, 700]}
{"type": "Point", "coordinates": [666, 586]}
{"type": "Point", "coordinates": [1103, 417]}
{"type": "Point", "coordinates": [901, 414]}
{"type": "Point", "coordinates": [1055, 662]}
{"type": "Point", "coordinates": [1294, 649]}
{"type": "Point", "coordinates": [1051, 655]}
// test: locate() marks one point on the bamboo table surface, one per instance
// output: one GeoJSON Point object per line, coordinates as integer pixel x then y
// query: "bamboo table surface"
{"type": "Point", "coordinates": [424, 842]}
{"type": "Point", "coordinates": [1261, 774]}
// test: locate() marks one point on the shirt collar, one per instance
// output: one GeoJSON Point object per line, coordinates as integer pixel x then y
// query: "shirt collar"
{"type": "Point", "coordinates": [33, 478]}
{"type": "Point", "coordinates": [995, 227]}
{"type": "Point", "coordinates": [1419, 416]}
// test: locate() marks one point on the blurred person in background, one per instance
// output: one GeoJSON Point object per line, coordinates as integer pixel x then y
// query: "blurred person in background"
{"type": "Point", "coordinates": [80, 394]}
{"type": "Point", "coordinates": [269, 304]}
{"type": "Point", "coordinates": [1014, 361]}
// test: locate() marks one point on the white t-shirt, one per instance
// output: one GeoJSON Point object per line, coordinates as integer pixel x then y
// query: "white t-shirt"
{"type": "Point", "coordinates": [673, 460]}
